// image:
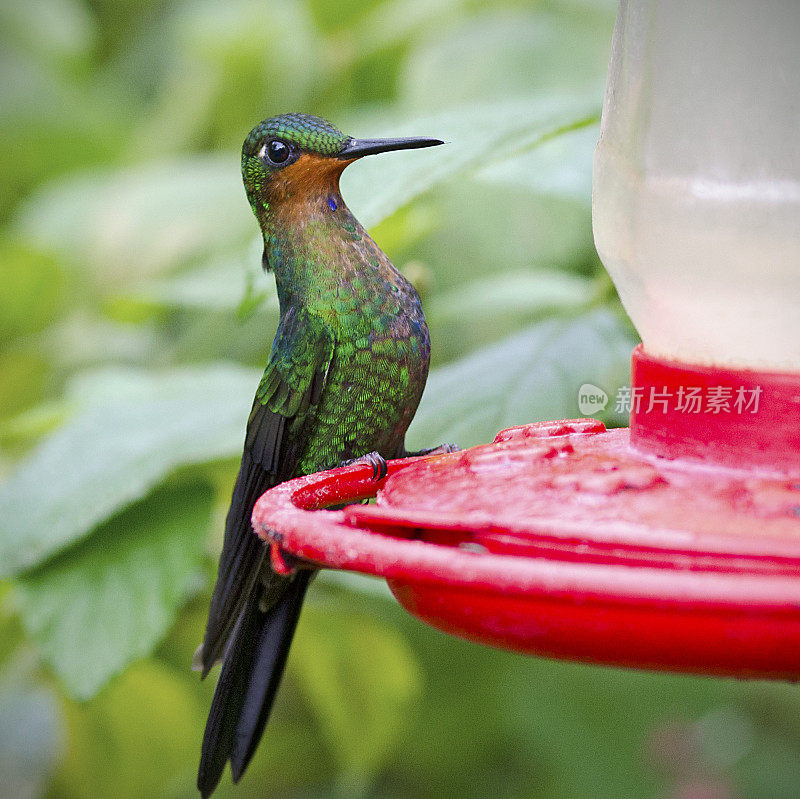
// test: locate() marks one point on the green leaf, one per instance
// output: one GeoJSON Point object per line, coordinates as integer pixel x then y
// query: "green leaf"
{"type": "Point", "coordinates": [222, 284]}
{"type": "Point", "coordinates": [47, 107]}
{"type": "Point", "coordinates": [25, 374]}
{"type": "Point", "coordinates": [109, 600]}
{"type": "Point", "coordinates": [138, 738]}
{"type": "Point", "coordinates": [528, 377]}
{"type": "Point", "coordinates": [228, 62]}
{"type": "Point", "coordinates": [57, 30]}
{"type": "Point", "coordinates": [395, 22]}
{"type": "Point", "coordinates": [490, 308]}
{"type": "Point", "coordinates": [361, 680]}
{"type": "Point", "coordinates": [133, 430]}
{"type": "Point", "coordinates": [577, 707]}
{"type": "Point", "coordinates": [512, 293]}
{"type": "Point", "coordinates": [126, 224]}
{"type": "Point", "coordinates": [502, 53]}
{"type": "Point", "coordinates": [493, 229]}
{"type": "Point", "coordinates": [476, 136]}
{"type": "Point", "coordinates": [560, 167]}
{"type": "Point", "coordinates": [30, 292]}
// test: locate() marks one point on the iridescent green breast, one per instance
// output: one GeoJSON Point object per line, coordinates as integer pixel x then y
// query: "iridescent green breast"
{"type": "Point", "coordinates": [375, 381]}
{"type": "Point", "coordinates": [333, 270]}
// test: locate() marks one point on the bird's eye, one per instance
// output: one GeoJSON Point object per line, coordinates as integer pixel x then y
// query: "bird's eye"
{"type": "Point", "coordinates": [276, 151]}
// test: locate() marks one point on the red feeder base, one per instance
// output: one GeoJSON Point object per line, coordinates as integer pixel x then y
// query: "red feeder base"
{"type": "Point", "coordinates": [561, 539]}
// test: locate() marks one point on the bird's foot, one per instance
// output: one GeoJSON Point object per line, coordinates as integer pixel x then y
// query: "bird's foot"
{"type": "Point", "coordinates": [442, 449]}
{"type": "Point", "coordinates": [373, 459]}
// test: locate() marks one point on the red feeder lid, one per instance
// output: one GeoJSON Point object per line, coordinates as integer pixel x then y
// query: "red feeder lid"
{"type": "Point", "coordinates": [561, 539]}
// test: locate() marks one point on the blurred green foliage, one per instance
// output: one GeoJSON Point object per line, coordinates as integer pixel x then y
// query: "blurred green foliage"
{"type": "Point", "coordinates": [133, 325]}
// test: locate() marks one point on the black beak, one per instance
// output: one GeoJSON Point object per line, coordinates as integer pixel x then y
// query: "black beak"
{"type": "Point", "coordinates": [356, 148]}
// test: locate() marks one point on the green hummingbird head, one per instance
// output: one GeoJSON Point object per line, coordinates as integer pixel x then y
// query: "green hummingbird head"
{"type": "Point", "coordinates": [295, 157]}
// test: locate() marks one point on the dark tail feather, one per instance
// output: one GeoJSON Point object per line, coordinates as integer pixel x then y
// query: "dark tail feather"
{"type": "Point", "coordinates": [271, 651]}
{"type": "Point", "coordinates": [225, 708]}
{"type": "Point", "coordinates": [251, 674]}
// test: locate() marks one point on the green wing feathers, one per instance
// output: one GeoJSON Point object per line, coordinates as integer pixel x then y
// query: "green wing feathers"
{"type": "Point", "coordinates": [298, 366]}
{"type": "Point", "coordinates": [285, 400]}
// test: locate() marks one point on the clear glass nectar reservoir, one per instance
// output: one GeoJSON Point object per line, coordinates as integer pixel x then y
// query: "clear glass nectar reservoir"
{"type": "Point", "coordinates": [696, 205]}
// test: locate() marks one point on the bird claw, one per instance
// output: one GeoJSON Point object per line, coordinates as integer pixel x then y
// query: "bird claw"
{"type": "Point", "coordinates": [374, 459]}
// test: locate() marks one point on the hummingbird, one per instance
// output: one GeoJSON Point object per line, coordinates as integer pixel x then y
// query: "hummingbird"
{"type": "Point", "coordinates": [345, 374]}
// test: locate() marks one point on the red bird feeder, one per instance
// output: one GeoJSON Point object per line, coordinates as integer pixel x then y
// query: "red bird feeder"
{"type": "Point", "coordinates": [675, 544]}
{"type": "Point", "coordinates": [564, 539]}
